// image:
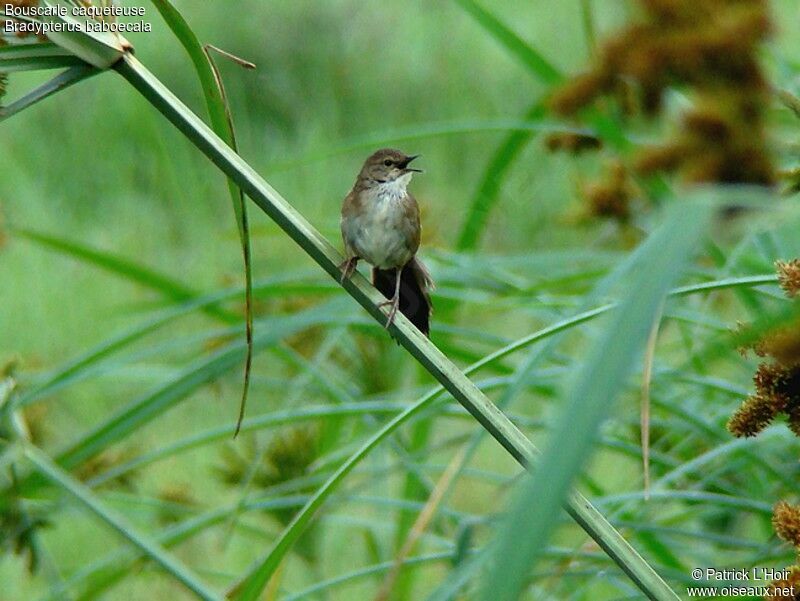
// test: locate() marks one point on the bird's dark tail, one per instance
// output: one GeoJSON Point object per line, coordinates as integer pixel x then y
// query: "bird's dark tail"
{"type": "Point", "coordinates": [415, 285]}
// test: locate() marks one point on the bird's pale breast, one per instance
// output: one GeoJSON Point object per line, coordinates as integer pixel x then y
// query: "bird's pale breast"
{"type": "Point", "coordinates": [385, 233]}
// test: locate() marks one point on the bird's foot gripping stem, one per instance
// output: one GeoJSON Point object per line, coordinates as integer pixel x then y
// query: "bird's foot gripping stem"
{"type": "Point", "coordinates": [394, 304]}
{"type": "Point", "coordinates": [348, 266]}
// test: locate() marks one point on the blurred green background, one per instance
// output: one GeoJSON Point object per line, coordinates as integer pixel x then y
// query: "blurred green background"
{"type": "Point", "coordinates": [96, 165]}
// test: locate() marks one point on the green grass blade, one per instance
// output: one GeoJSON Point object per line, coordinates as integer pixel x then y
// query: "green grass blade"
{"type": "Point", "coordinates": [314, 591]}
{"type": "Point", "coordinates": [492, 180]}
{"type": "Point", "coordinates": [458, 578]}
{"type": "Point", "coordinates": [148, 547]}
{"type": "Point", "coordinates": [35, 57]}
{"type": "Point", "coordinates": [32, 51]}
{"type": "Point", "coordinates": [714, 500]}
{"type": "Point", "coordinates": [250, 588]}
{"type": "Point", "coordinates": [103, 573]}
{"type": "Point", "coordinates": [141, 411]}
{"type": "Point", "coordinates": [130, 418]}
{"type": "Point", "coordinates": [125, 268]}
{"type": "Point", "coordinates": [499, 165]}
{"type": "Point", "coordinates": [530, 57]}
{"type": "Point", "coordinates": [524, 533]}
{"type": "Point", "coordinates": [589, 29]}
{"type": "Point", "coordinates": [737, 282]}
{"type": "Point", "coordinates": [222, 124]}
{"type": "Point", "coordinates": [433, 129]}
{"type": "Point", "coordinates": [206, 370]}
{"type": "Point", "coordinates": [253, 424]}
{"type": "Point", "coordinates": [60, 82]}
{"type": "Point", "coordinates": [77, 367]}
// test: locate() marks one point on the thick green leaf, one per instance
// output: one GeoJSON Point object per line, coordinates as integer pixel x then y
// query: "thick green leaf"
{"type": "Point", "coordinates": [98, 48]}
{"type": "Point", "coordinates": [524, 533]}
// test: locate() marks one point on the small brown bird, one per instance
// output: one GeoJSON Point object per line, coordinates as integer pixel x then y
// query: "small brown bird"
{"type": "Point", "coordinates": [380, 224]}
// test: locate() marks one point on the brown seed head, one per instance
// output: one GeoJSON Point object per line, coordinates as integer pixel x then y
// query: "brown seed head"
{"type": "Point", "coordinates": [780, 590]}
{"type": "Point", "coordinates": [611, 195]}
{"type": "Point", "coordinates": [711, 47]}
{"type": "Point", "coordinates": [778, 384]}
{"type": "Point", "coordinates": [789, 276]}
{"type": "Point", "coordinates": [754, 415]}
{"type": "Point", "coordinates": [578, 93]}
{"type": "Point", "coordinates": [572, 142]}
{"type": "Point", "coordinates": [782, 344]}
{"type": "Point", "coordinates": [786, 522]}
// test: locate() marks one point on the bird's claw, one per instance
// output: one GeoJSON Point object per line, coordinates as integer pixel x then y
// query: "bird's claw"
{"type": "Point", "coordinates": [394, 303]}
{"type": "Point", "coordinates": [348, 266]}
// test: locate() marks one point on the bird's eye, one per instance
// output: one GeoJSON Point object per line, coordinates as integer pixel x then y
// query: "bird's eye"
{"type": "Point", "coordinates": [388, 162]}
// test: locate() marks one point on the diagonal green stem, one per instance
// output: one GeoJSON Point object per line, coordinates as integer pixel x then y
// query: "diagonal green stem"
{"type": "Point", "coordinates": [462, 389]}
{"type": "Point", "coordinates": [60, 82]}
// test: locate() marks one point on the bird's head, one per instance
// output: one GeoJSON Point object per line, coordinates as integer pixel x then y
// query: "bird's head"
{"type": "Point", "coordinates": [387, 165]}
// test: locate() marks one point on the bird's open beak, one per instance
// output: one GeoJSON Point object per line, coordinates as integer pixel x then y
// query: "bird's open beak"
{"type": "Point", "coordinates": [406, 168]}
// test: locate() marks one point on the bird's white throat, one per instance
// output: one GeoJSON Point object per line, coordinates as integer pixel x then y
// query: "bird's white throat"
{"type": "Point", "coordinates": [395, 189]}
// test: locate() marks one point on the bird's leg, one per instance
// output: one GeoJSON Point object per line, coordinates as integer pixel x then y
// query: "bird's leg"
{"type": "Point", "coordinates": [394, 302]}
{"type": "Point", "coordinates": [348, 266]}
